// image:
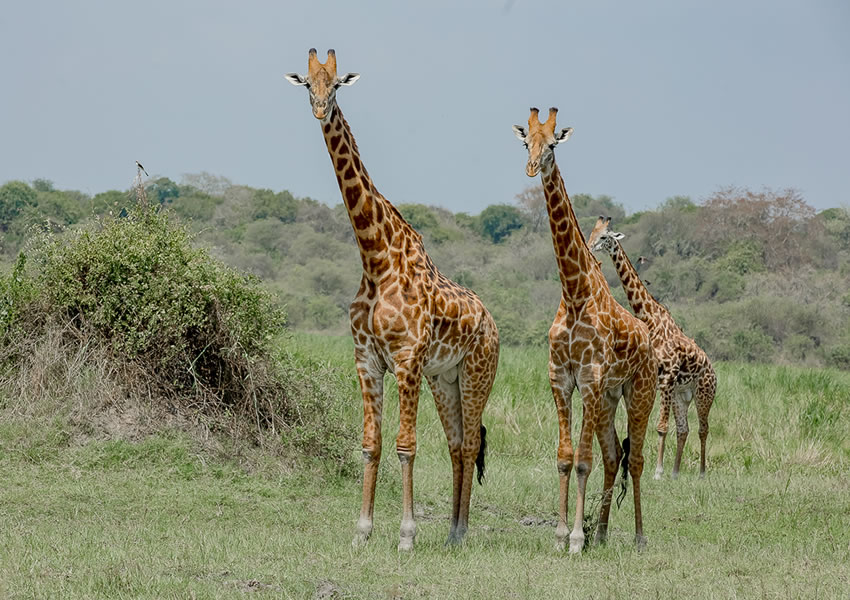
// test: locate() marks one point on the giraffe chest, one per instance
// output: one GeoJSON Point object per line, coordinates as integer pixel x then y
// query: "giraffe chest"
{"type": "Point", "coordinates": [606, 350]}
{"type": "Point", "coordinates": [403, 325]}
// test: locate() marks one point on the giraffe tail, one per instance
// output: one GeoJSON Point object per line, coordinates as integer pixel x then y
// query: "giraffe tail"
{"type": "Point", "coordinates": [624, 464]}
{"type": "Point", "coordinates": [479, 460]}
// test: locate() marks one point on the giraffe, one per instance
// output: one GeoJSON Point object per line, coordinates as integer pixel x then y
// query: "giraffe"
{"type": "Point", "coordinates": [594, 344]}
{"type": "Point", "coordinates": [684, 370]}
{"type": "Point", "coordinates": [408, 319]}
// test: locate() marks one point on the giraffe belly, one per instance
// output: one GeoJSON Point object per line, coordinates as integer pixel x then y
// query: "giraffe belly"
{"type": "Point", "coordinates": [442, 364]}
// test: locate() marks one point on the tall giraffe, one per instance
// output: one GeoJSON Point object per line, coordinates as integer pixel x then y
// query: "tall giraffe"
{"type": "Point", "coordinates": [594, 344]}
{"type": "Point", "coordinates": [407, 318]}
{"type": "Point", "coordinates": [684, 370]}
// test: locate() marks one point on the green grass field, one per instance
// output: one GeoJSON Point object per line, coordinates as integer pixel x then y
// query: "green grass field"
{"type": "Point", "coordinates": [162, 518]}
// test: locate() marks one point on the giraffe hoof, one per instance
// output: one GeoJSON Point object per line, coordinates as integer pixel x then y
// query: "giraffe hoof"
{"type": "Point", "coordinates": [576, 543]}
{"type": "Point", "coordinates": [640, 542]}
{"type": "Point", "coordinates": [674, 475]}
{"type": "Point", "coordinates": [601, 538]}
{"type": "Point", "coordinates": [359, 540]}
{"type": "Point", "coordinates": [405, 545]}
{"type": "Point", "coordinates": [560, 540]}
{"type": "Point", "coordinates": [658, 472]}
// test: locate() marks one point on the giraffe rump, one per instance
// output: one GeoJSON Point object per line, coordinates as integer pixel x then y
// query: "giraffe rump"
{"type": "Point", "coordinates": [479, 460]}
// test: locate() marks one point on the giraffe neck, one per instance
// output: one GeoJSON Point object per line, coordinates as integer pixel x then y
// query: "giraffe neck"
{"type": "Point", "coordinates": [575, 263]}
{"type": "Point", "coordinates": [377, 224]}
{"type": "Point", "coordinates": [639, 297]}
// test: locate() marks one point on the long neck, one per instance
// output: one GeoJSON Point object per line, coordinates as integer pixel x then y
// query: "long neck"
{"type": "Point", "coordinates": [575, 263]}
{"type": "Point", "coordinates": [376, 222]}
{"type": "Point", "coordinates": [639, 297]}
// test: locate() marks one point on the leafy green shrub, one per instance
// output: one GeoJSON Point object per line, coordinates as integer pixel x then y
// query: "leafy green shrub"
{"type": "Point", "coordinates": [163, 320]}
{"type": "Point", "coordinates": [139, 283]}
{"type": "Point", "coordinates": [839, 356]}
{"type": "Point", "coordinates": [265, 204]}
{"type": "Point", "coordinates": [753, 345]}
{"type": "Point", "coordinates": [15, 196]}
{"type": "Point", "coordinates": [799, 347]}
{"type": "Point", "coordinates": [498, 221]}
{"type": "Point", "coordinates": [742, 257]}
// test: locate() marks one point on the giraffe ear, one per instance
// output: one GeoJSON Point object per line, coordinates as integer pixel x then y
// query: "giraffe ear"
{"type": "Point", "coordinates": [564, 135]}
{"type": "Point", "coordinates": [296, 79]}
{"type": "Point", "coordinates": [347, 79]}
{"type": "Point", "coordinates": [617, 235]}
{"type": "Point", "coordinates": [519, 132]}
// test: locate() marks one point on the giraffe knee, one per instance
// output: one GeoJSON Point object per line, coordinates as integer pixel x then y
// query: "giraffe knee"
{"type": "Point", "coordinates": [405, 456]}
{"type": "Point", "coordinates": [582, 470]}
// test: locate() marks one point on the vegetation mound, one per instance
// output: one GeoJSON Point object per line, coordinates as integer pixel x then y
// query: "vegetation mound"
{"type": "Point", "coordinates": [124, 325]}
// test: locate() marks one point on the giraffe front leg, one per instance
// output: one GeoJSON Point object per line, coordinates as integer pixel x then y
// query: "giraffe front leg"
{"type": "Point", "coordinates": [372, 387]}
{"type": "Point", "coordinates": [562, 389]}
{"type": "Point", "coordinates": [665, 387]}
{"type": "Point", "coordinates": [409, 378]}
{"type": "Point", "coordinates": [591, 400]}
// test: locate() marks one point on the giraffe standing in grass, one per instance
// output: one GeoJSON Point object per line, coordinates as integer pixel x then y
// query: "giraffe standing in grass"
{"type": "Point", "coordinates": [408, 319]}
{"type": "Point", "coordinates": [594, 344]}
{"type": "Point", "coordinates": [684, 370]}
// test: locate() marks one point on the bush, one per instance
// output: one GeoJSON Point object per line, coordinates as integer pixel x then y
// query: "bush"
{"type": "Point", "coordinates": [133, 301]}
{"type": "Point", "coordinates": [498, 221]}
{"type": "Point", "coordinates": [839, 357]}
{"type": "Point", "coordinates": [138, 283]}
{"type": "Point", "coordinates": [753, 345]}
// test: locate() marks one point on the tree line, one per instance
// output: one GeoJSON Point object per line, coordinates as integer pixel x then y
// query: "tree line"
{"type": "Point", "coordinates": [751, 275]}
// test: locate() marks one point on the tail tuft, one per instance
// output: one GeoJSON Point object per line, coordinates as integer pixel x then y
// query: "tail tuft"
{"type": "Point", "coordinates": [624, 464]}
{"type": "Point", "coordinates": [479, 460]}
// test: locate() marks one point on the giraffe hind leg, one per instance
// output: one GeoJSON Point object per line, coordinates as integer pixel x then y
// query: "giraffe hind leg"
{"type": "Point", "coordinates": [681, 403]}
{"type": "Point", "coordinates": [446, 391]}
{"type": "Point", "coordinates": [611, 454]}
{"type": "Point", "coordinates": [639, 405]}
{"type": "Point", "coordinates": [661, 427]}
{"type": "Point", "coordinates": [477, 373]}
{"type": "Point", "coordinates": [705, 399]}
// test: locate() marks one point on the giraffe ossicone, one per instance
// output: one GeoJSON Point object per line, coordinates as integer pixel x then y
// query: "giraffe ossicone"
{"type": "Point", "coordinates": [595, 345]}
{"type": "Point", "coordinates": [409, 319]}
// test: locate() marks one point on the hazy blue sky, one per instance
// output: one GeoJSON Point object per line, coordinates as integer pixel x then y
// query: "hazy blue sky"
{"type": "Point", "coordinates": [666, 98]}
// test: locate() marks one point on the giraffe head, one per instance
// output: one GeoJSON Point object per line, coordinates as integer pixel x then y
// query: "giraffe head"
{"type": "Point", "coordinates": [602, 238]}
{"type": "Point", "coordinates": [541, 139]}
{"type": "Point", "coordinates": [322, 82]}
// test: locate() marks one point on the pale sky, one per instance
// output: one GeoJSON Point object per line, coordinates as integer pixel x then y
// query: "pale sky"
{"type": "Point", "coordinates": [666, 98]}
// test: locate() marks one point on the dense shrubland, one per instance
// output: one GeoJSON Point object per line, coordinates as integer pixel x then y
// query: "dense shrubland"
{"type": "Point", "coordinates": [756, 276]}
{"type": "Point", "coordinates": [123, 326]}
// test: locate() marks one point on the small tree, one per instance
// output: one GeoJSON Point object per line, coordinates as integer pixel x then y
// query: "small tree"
{"type": "Point", "coordinates": [532, 203]}
{"type": "Point", "coordinates": [499, 220]}
{"type": "Point", "coordinates": [15, 197]}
